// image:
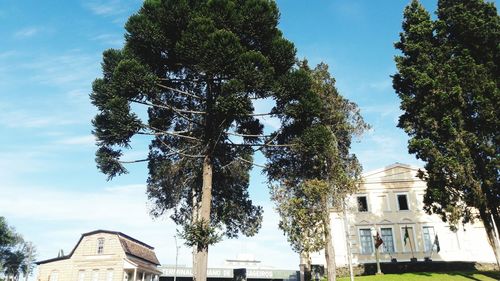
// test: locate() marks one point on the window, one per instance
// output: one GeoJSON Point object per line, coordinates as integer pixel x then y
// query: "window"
{"type": "Point", "coordinates": [110, 275]}
{"type": "Point", "coordinates": [365, 237]}
{"type": "Point", "coordinates": [403, 202]}
{"type": "Point", "coordinates": [362, 204]}
{"type": "Point", "coordinates": [408, 243]}
{"type": "Point", "coordinates": [100, 245]}
{"type": "Point", "coordinates": [54, 275]}
{"type": "Point", "coordinates": [95, 275]}
{"type": "Point", "coordinates": [386, 235]}
{"type": "Point", "coordinates": [81, 275]}
{"type": "Point", "coordinates": [429, 236]}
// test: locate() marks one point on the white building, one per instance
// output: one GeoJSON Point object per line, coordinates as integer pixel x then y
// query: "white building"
{"type": "Point", "coordinates": [390, 200]}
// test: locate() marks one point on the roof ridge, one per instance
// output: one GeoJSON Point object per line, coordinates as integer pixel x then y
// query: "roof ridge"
{"type": "Point", "coordinates": [119, 234]}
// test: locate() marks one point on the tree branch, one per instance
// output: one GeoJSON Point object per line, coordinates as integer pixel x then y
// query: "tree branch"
{"type": "Point", "coordinates": [180, 152]}
{"type": "Point", "coordinates": [179, 91]}
{"type": "Point", "coordinates": [246, 135]}
{"type": "Point", "coordinates": [178, 110]}
{"type": "Point", "coordinates": [133, 161]}
{"type": "Point", "coordinates": [250, 162]}
{"type": "Point", "coordinates": [260, 114]}
{"type": "Point", "coordinates": [158, 132]}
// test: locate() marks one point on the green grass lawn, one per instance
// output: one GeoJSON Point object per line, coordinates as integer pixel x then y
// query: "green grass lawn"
{"type": "Point", "coordinates": [424, 276]}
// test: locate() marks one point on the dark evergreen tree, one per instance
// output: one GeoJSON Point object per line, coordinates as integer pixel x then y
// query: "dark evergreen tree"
{"type": "Point", "coordinates": [448, 81]}
{"type": "Point", "coordinates": [314, 170]}
{"type": "Point", "coordinates": [196, 65]}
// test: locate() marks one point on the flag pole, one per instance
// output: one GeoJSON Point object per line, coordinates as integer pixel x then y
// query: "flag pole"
{"type": "Point", "coordinates": [432, 248]}
{"type": "Point", "coordinates": [411, 246]}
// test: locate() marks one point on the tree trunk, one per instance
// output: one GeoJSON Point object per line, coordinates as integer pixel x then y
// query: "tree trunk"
{"type": "Point", "coordinates": [329, 249]}
{"type": "Point", "coordinates": [195, 218]}
{"type": "Point", "coordinates": [493, 238]}
{"type": "Point", "coordinates": [305, 266]}
{"type": "Point", "coordinates": [201, 258]}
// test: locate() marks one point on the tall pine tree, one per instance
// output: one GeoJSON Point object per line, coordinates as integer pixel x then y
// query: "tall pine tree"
{"type": "Point", "coordinates": [448, 81]}
{"type": "Point", "coordinates": [315, 169]}
{"type": "Point", "coordinates": [196, 65]}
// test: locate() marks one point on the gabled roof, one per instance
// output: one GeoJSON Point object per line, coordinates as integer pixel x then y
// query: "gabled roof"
{"type": "Point", "coordinates": [394, 172]}
{"type": "Point", "coordinates": [130, 245]}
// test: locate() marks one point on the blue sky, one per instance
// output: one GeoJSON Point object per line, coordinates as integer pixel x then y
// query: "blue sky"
{"type": "Point", "coordinates": [50, 53]}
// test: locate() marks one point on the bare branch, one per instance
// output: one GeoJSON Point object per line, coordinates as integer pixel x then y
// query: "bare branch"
{"type": "Point", "coordinates": [268, 143]}
{"type": "Point", "coordinates": [133, 161]}
{"type": "Point", "coordinates": [262, 145]}
{"type": "Point", "coordinates": [250, 162]}
{"type": "Point", "coordinates": [179, 91]}
{"type": "Point", "coordinates": [158, 132]}
{"type": "Point", "coordinates": [260, 114]}
{"type": "Point", "coordinates": [178, 110]}
{"type": "Point", "coordinates": [247, 135]}
{"type": "Point", "coordinates": [181, 152]}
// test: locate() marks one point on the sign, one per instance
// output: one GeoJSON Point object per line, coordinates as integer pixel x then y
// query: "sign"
{"type": "Point", "coordinates": [169, 271]}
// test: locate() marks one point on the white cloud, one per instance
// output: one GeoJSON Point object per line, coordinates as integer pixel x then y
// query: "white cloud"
{"type": "Point", "coordinates": [8, 54]}
{"type": "Point", "coordinates": [111, 40]}
{"type": "Point", "coordinates": [105, 8]}
{"type": "Point", "coordinates": [78, 140]}
{"type": "Point", "coordinates": [63, 214]}
{"type": "Point", "coordinates": [27, 32]}
{"type": "Point", "coordinates": [25, 119]}
{"type": "Point", "coordinates": [382, 148]}
{"type": "Point", "coordinates": [382, 85]}
{"type": "Point", "coordinates": [117, 10]}
{"type": "Point", "coordinates": [14, 163]}
{"type": "Point", "coordinates": [72, 69]}
{"type": "Point", "coordinates": [383, 111]}
{"type": "Point", "coordinates": [351, 10]}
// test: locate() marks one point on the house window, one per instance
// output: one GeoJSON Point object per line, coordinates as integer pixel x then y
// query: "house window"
{"type": "Point", "coordinates": [403, 202]}
{"type": "Point", "coordinates": [362, 204]}
{"type": "Point", "coordinates": [429, 236]}
{"type": "Point", "coordinates": [365, 237]}
{"type": "Point", "coordinates": [110, 275]}
{"type": "Point", "coordinates": [100, 245]}
{"type": "Point", "coordinates": [386, 235]}
{"type": "Point", "coordinates": [81, 275]}
{"type": "Point", "coordinates": [95, 275]}
{"type": "Point", "coordinates": [54, 275]}
{"type": "Point", "coordinates": [408, 242]}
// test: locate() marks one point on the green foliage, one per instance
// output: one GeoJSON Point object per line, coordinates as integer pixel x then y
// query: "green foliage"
{"type": "Point", "coordinates": [315, 169]}
{"type": "Point", "coordinates": [200, 234]}
{"type": "Point", "coordinates": [299, 217]}
{"type": "Point", "coordinates": [16, 255]}
{"type": "Point", "coordinates": [448, 77]}
{"type": "Point", "coordinates": [7, 235]}
{"type": "Point", "coordinates": [196, 66]}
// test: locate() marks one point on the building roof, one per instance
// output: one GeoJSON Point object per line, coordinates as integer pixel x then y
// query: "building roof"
{"type": "Point", "coordinates": [130, 245]}
{"type": "Point", "coordinates": [138, 249]}
{"type": "Point", "coordinates": [392, 173]}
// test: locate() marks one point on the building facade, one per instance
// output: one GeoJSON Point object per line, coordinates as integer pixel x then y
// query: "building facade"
{"type": "Point", "coordinates": [103, 255]}
{"type": "Point", "coordinates": [233, 269]}
{"type": "Point", "coordinates": [390, 202]}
